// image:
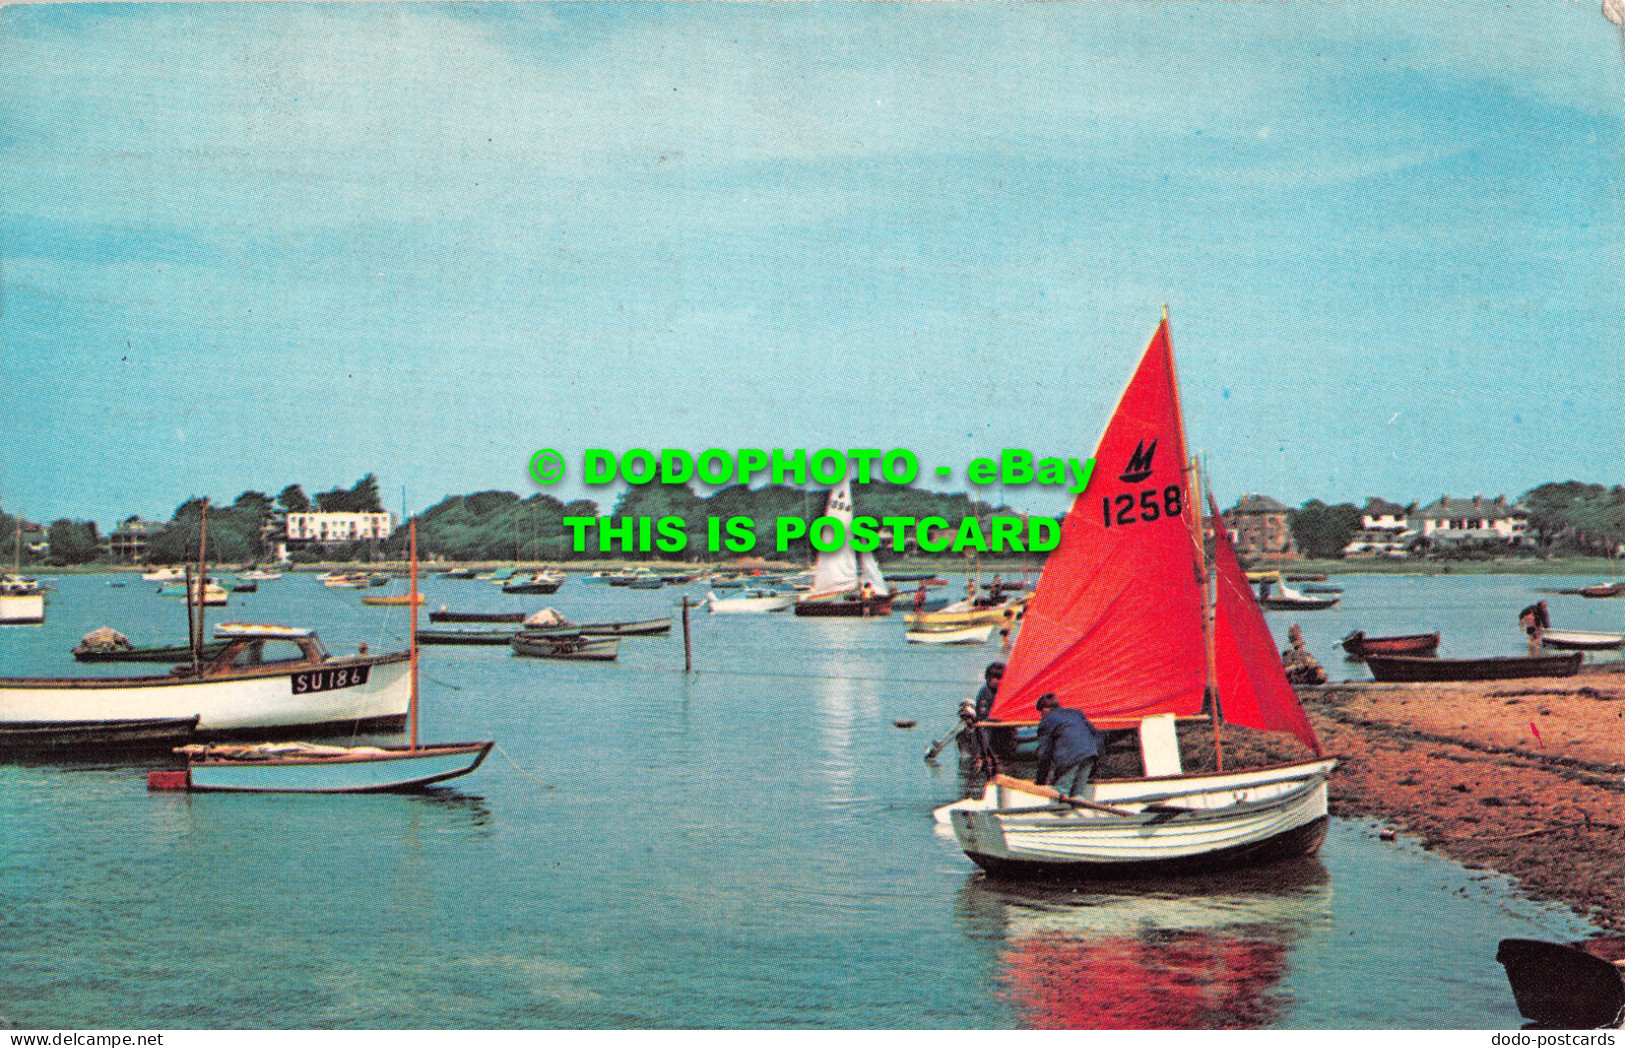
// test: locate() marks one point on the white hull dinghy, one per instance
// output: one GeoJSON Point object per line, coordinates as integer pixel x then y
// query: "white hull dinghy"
{"type": "Point", "coordinates": [950, 635]}
{"type": "Point", "coordinates": [1132, 624]}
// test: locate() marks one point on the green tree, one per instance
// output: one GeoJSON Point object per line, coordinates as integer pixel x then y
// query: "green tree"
{"type": "Point", "coordinates": [293, 499]}
{"type": "Point", "coordinates": [1321, 531]}
{"type": "Point", "coordinates": [73, 542]}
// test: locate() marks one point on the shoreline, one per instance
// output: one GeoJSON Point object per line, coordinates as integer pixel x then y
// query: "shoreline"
{"type": "Point", "coordinates": [1522, 777]}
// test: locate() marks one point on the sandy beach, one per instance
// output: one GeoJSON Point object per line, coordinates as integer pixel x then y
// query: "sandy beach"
{"type": "Point", "coordinates": [1525, 777]}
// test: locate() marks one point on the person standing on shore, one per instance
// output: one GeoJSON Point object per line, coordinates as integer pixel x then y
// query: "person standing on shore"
{"type": "Point", "coordinates": [1535, 621]}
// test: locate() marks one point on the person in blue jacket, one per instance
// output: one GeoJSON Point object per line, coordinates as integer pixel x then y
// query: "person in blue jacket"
{"type": "Point", "coordinates": [1068, 745]}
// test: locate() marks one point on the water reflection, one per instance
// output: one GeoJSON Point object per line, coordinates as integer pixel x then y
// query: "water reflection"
{"type": "Point", "coordinates": [1187, 953]}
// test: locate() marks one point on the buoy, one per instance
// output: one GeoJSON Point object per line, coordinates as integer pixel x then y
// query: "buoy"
{"type": "Point", "coordinates": [904, 723]}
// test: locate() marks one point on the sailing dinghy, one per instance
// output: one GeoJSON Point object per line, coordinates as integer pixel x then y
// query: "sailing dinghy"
{"type": "Point", "coordinates": [1133, 625]}
{"type": "Point", "coordinates": [841, 577]}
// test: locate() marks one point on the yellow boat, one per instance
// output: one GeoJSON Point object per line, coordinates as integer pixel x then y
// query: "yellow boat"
{"type": "Point", "coordinates": [390, 601]}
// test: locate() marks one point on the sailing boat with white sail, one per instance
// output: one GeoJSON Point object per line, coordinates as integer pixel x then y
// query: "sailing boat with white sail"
{"type": "Point", "coordinates": [1133, 625]}
{"type": "Point", "coordinates": [845, 583]}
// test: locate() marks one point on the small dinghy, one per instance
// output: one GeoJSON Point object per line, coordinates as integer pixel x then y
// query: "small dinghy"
{"type": "Point", "coordinates": [949, 634]}
{"type": "Point", "coordinates": [1358, 645]}
{"type": "Point", "coordinates": [1581, 640]}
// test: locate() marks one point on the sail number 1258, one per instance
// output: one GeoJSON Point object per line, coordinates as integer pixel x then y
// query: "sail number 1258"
{"type": "Point", "coordinates": [1125, 510]}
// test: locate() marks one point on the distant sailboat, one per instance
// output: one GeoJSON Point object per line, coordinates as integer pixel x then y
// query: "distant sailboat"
{"type": "Point", "coordinates": [845, 583]}
{"type": "Point", "coordinates": [1133, 625]}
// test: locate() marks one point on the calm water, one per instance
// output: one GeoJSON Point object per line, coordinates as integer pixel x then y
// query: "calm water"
{"type": "Point", "coordinates": [748, 847]}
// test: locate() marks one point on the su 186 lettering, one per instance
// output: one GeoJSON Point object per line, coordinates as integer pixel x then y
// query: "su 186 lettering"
{"type": "Point", "coordinates": [329, 679]}
{"type": "Point", "coordinates": [1149, 507]}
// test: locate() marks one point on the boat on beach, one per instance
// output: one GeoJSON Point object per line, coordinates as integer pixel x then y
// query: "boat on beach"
{"type": "Point", "coordinates": [1561, 987]}
{"type": "Point", "coordinates": [1412, 668]}
{"type": "Point", "coordinates": [1358, 645]}
{"type": "Point", "coordinates": [1133, 624]}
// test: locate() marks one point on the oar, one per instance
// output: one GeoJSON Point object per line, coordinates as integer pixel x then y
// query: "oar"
{"type": "Point", "coordinates": [1054, 794]}
{"type": "Point", "coordinates": [936, 747]}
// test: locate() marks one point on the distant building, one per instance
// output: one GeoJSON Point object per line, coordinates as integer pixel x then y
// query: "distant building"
{"type": "Point", "coordinates": [304, 530]}
{"type": "Point", "coordinates": [1259, 526]}
{"type": "Point", "coordinates": [1449, 521]}
{"type": "Point", "coordinates": [1385, 531]}
{"type": "Point", "coordinates": [129, 541]}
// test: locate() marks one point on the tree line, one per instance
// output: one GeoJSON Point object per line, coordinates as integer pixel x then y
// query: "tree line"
{"type": "Point", "coordinates": [1564, 518]}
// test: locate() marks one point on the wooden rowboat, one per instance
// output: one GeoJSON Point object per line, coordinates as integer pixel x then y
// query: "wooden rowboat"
{"type": "Point", "coordinates": [1581, 640]}
{"type": "Point", "coordinates": [476, 616]}
{"type": "Point", "coordinates": [1408, 668]}
{"type": "Point", "coordinates": [569, 646]}
{"type": "Point", "coordinates": [391, 602]}
{"type": "Point", "coordinates": [1613, 589]}
{"type": "Point", "coordinates": [1561, 987]}
{"type": "Point", "coordinates": [1358, 645]}
{"type": "Point", "coordinates": [299, 767]}
{"type": "Point", "coordinates": [492, 637]}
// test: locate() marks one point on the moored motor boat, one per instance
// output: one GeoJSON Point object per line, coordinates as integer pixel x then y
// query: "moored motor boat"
{"type": "Point", "coordinates": [1581, 640]}
{"type": "Point", "coordinates": [21, 602]}
{"type": "Point", "coordinates": [77, 736]}
{"type": "Point", "coordinates": [1411, 668]}
{"type": "Point", "coordinates": [1358, 645]}
{"type": "Point", "coordinates": [244, 688]}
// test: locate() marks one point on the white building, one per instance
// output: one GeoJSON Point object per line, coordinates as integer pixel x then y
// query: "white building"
{"type": "Point", "coordinates": [1385, 531]}
{"type": "Point", "coordinates": [321, 529]}
{"type": "Point", "coordinates": [1455, 520]}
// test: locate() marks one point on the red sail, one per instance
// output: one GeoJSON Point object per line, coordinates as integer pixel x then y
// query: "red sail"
{"type": "Point", "coordinates": [1253, 691]}
{"type": "Point", "coordinates": [1115, 628]}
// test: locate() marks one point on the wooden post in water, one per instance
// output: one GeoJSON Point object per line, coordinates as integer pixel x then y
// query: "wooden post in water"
{"type": "Point", "coordinates": [688, 646]}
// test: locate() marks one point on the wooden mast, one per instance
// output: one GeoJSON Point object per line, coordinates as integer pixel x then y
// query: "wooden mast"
{"type": "Point", "coordinates": [412, 606]}
{"type": "Point", "coordinates": [196, 620]}
{"type": "Point", "coordinates": [1205, 567]}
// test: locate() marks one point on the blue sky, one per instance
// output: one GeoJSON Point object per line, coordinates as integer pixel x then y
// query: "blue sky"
{"type": "Point", "coordinates": [248, 245]}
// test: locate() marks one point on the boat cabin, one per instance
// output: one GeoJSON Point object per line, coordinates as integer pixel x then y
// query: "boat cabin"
{"type": "Point", "coordinates": [254, 647]}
